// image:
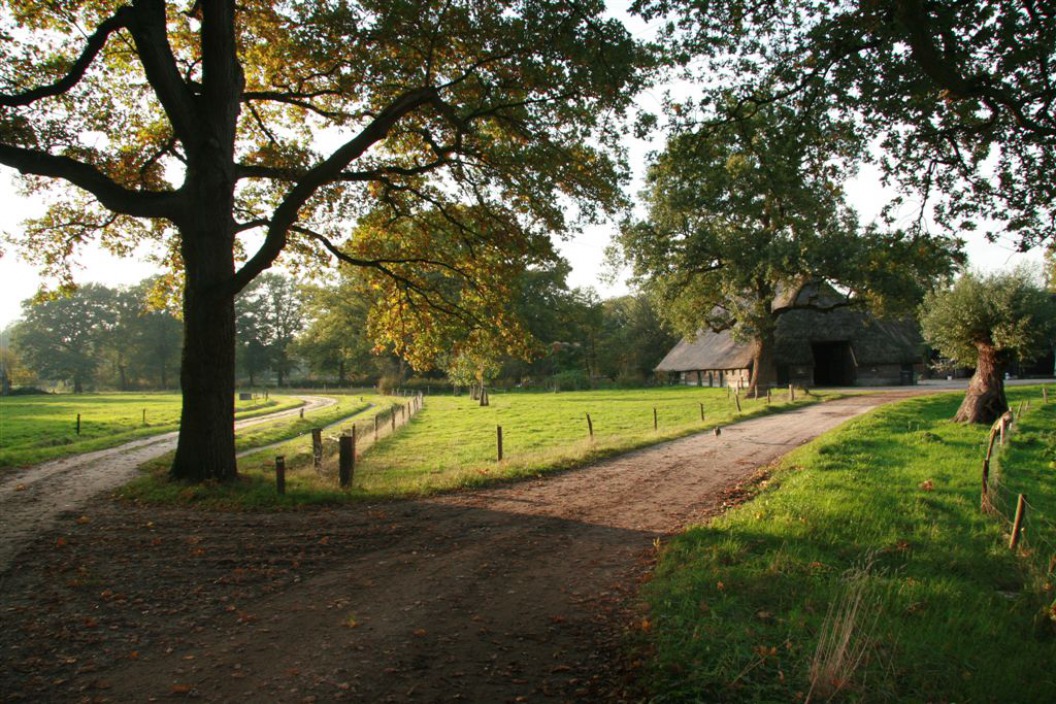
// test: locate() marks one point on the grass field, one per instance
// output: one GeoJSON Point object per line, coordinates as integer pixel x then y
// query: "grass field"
{"type": "Point", "coordinates": [452, 443]}
{"type": "Point", "coordinates": [38, 428]}
{"type": "Point", "coordinates": [865, 571]}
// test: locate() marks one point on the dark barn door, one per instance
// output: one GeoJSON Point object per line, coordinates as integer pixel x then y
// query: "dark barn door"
{"type": "Point", "coordinates": [833, 363]}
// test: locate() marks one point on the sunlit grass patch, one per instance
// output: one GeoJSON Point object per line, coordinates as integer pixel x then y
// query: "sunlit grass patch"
{"type": "Point", "coordinates": [743, 608]}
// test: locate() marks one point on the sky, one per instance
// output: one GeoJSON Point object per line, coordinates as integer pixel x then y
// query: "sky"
{"type": "Point", "coordinates": [19, 281]}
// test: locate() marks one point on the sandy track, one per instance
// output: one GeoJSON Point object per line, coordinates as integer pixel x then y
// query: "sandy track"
{"type": "Point", "coordinates": [509, 594]}
{"type": "Point", "coordinates": [32, 497]}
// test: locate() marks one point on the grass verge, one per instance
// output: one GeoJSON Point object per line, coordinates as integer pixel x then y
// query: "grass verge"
{"type": "Point", "coordinates": [38, 428]}
{"type": "Point", "coordinates": [863, 570]}
{"type": "Point", "coordinates": [452, 443]}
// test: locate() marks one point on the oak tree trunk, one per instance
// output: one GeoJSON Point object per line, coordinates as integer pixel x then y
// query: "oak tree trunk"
{"type": "Point", "coordinates": [985, 400]}
{"type": "Point", "coordinates": [206, 448]}
{"type": "Point", "coordinates": [764, 370]}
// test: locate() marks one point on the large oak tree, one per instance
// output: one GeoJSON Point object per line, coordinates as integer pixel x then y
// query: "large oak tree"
{"type": "Point", "coordinates": [747, 209]}
{"type": "Point", "coordinates": [234, 132]}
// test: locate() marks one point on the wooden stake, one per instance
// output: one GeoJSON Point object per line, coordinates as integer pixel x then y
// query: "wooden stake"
{"type": "Point", "coordinates": [656, 422]}
{"type": "Point", "coordinates": [78, 423]}
{"type": "Point", "coordinates": [317, 448]}
{"type": "Point", "coordinates": [302, 414]}
{"type": "Point", "coordinates": [346, 459]}
{"type": "Point", "coordinates": [498, 439]}
{"type": "Point", "coordinates": [1017, 523]}
{"type": "Point", "coordinates": [280, 474]}
{"type": "Point", "coordinates": [702, 413]}
{"type": "Point", "coordinates": [590, 427]}
{"type": "Point", "coordinates": [737, 398]}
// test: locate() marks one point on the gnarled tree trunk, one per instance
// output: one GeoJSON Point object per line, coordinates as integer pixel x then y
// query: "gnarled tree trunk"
{"type": "Point", "coordinates": [985, 400]}
{"type": "Point", "coordinates": [764, 370]}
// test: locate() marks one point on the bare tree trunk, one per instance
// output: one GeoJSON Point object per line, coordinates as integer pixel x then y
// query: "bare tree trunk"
{"type": "Point", "coordinates": [985, 400]}
{"type": "Point", "coordinates": [206, 448]}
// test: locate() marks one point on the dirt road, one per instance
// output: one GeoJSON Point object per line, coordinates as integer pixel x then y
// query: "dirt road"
{"type": "Point", "coordinates": [510, 594]}
{"type": "Point", "coordinates": [32, 498]}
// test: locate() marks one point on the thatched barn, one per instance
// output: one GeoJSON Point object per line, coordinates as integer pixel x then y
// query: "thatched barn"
{"type": "Point", "coordinates": [840, 347]}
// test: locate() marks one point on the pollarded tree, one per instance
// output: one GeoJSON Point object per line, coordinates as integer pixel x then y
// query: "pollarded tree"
{"type": "Point", "coordinates": [197, 124]}
{"type": "Point", "coordinates": [986, 321]}
{"type": "Point", "coordinates": [744, 210]}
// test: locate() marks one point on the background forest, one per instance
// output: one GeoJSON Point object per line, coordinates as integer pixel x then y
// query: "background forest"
{"type": "Point", "coordinates": [292, 333]}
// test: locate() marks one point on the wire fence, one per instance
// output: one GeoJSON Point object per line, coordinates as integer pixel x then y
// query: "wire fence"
{"type": "Point", "coordinates": [366, 433]}
{"type": "Point", "coordinates": [1031, 532]}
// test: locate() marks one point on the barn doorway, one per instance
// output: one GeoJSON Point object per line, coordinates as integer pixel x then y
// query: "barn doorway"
{"type": "Point", "coordinates": [833, 363]}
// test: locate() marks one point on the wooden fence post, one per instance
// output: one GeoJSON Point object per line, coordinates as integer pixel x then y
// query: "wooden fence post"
{"type": "Point", "coordinates": [498, 439]}
{"type": "Point", "coordinates": [78, 423]}
{"type": "Point", "coordinates": [737, 398]}
{"type": "Point", "coordinates": [280, 474]}
{"type": "Point", "coordinates": [376, 416]}
{"type": "Point", "coordinates": [393, 412]}
{"type": "Point", "coordinates": [317, 448]}
{"type": "Point", "coordinates": [984, 501]}
{"type": "Point", "coordinates": [590, 427]}
{"type": "Point", "coordinates": [702, 413]}
{"type": "Point", "coordinates": [656, 422]}
{"type": "Point", "coordinates": [346, 459]}
{"type": "Point", "coordinates": [1017, 523]}
{"type": "Point", "coordinates": [302, 413]}
{"type": "Point", "coordinates": [791, 393]}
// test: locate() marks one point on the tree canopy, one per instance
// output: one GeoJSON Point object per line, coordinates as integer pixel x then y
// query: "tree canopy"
{"type": "Point", "coordinates": [956, 96]}
{"type": "Point", "coordinates": [744, 210]}
{"type": "Point", "coordinates": [231, 133]}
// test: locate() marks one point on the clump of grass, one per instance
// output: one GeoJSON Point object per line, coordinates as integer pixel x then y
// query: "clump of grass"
{"type": "Point", "coordinates": [844, 640]}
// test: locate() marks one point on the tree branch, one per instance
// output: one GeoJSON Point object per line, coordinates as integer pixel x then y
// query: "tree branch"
{"type": "Point", "coordinates": [149, 33]}
{"type": "Point", "coordinates": [96, 42]}
{"type": "Point", "coordinates": [141, 204]}
{"type": "Point", "coordinates": [326, 172]}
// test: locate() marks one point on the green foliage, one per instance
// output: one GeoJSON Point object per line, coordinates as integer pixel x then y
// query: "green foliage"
{"type": "Point", "coordinates": [269, 315]}
{"type": "Point", "coordinates": [746, 209]}
{"type": "Point", "coordinates": [956, 94]}
{"type": "Point", "coordinates": [334, 342]}
{"type": "Point", "coordinates": [348, 131]}
{"type": "Point", "coordinates": [63, 338]}
{"type": "Point", "coordinates": [1006, 312]}
{"type": "Point", "coordinates": [886, 507]}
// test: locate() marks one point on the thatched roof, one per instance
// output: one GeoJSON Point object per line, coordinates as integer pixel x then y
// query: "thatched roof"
{"type": "Point", "coordinates": [873, 341]}
{"type": "Point", "coordinates": [709, 350]}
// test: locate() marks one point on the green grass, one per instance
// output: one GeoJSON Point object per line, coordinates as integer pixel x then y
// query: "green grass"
{"type": "Point", "coordinates": [38, 428]}
{"type": "Point", "coordinates": [885, 510]}
{"type": "Point", "coordinates": [452, 443]}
